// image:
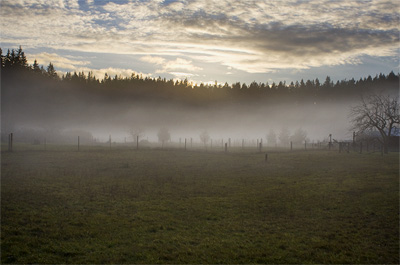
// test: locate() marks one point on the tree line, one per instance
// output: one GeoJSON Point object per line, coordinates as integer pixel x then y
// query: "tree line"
{"type": "Point", "coordinates": [14, 65]}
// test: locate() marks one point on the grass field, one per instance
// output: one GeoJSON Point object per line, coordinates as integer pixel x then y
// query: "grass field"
{"type": "Point", "coordinates": [174, 206]}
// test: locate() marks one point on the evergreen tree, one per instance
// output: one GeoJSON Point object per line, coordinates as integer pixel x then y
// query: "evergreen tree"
{"type": "Point", "coordinates": [35, 67]}
{"type": "Point", "coordinates": [51, 72]}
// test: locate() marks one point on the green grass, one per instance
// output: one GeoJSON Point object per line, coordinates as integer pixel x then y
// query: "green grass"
{"type": "Point", "coordinates": [171, 206]}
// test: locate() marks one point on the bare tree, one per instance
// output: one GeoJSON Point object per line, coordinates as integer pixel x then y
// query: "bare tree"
{"type": "Point", "coordinates": [299, 136]}
{"type": "Point", "coordinates": [284, 136]}
{"type": "Point", "coordinates": [205, 137]}
{"type": "Point", "coordinates": [377, 113]}
{"type": "Point", "coordinates": [136, 133]}
{"type": "Point", "coordinates": [163, 136]}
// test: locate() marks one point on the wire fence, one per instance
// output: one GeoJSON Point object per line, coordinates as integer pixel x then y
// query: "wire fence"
{"type": "Point", "coordinates": [212, 145]}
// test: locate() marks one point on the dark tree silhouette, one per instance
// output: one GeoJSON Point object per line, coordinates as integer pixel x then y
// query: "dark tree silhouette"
{"type": "Point", "coordinates": [377, 113]}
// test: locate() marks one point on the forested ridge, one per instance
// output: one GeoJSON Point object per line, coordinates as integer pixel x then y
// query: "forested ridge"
{"type": "Point", "coordinates": [35, 78]}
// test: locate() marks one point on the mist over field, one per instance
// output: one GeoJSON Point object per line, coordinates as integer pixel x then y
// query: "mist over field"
{"type": "Point", "coordinates": [35, 105]}
{"type": "Point", "coordinates": [103, 116]}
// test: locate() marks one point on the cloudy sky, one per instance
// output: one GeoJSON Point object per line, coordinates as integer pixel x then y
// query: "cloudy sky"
{"type": "Point", "coordinates": [205, 40]}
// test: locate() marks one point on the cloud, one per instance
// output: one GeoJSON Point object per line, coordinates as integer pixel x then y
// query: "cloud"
{"type": "Point", "coordinates": [181, 75]}
{"type": "Point", "coordinates": [58, 61]}
{"type": "Point", "coordinates": [153, 59]}
{"type": "Point", "coordinates": [178, 64]}
{"type": "Point", "coordinates": [251, 36]}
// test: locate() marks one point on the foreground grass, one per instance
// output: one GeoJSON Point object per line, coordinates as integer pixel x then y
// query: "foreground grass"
{"type": "Point", "coordinates": [158, 206]}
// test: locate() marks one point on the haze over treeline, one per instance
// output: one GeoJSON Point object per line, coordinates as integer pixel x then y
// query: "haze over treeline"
{"type": "Point", "coordinates": [34, 98]}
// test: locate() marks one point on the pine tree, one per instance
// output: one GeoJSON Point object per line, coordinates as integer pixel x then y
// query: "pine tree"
{"type": "Point", "coordinates": [51, 72]}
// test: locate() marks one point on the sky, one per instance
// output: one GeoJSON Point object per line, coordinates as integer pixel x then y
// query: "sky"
{"type": "Point", "coordinates": [207, 41]}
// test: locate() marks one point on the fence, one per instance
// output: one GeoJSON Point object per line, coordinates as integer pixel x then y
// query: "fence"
{"type": "Point", "coordinates": [188, 143]}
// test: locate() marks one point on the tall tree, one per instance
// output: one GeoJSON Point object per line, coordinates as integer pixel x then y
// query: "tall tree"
{"type": "Point", "coordinates": [35, 67]}
{"type": "Point", "coordinates": [136, 133]}
{"type": "Point", "coordinates": [377, 113]}
{"type": "Point", "coordinates": [51, 71]}
{"type": "Point", "coordinates": [299, 136]}
{"type": "Point", "coordinates": [204, 137]}
{"type": "Point", "coordinates": [163, 136]}
{"type": "Point", "coordinates": [284, 136]}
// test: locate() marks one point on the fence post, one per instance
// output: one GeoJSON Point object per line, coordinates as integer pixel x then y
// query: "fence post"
{"type": "Point", "coordinates": [191, 142]}
{"type": "Point", "coordinates": [226, 147]}
{"type": "Point", "coordinates": [291, 145]}
{"type": "Point", "coordinates": [361, 147]}
{"type": "Point", "coordinates": [110, 141]}
{"type": "Point", "coordinates": [266, 158]}
{"type": "Point", "coordinates": [229, 142]}
{"type": "Point", "coordinates": [305, 145]}
{"type": "Point", "coordinates": [10, 142]}
{"type": "Point", "coordinates": [242, 144]}
{"type": "Point", "coordinates": [78, 142]}
{"type": "Point", "coordinates": [137, 142]}
{"type": "Point", "coordinates": [45, 144]}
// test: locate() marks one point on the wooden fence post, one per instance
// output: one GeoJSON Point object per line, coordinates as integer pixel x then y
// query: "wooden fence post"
{"type": "Point", "coordinates": [226, 147]}
{"type": "Point", "coordinates": [78, 143]}
{"type": "Point", "coordinates": [45, 144]}
{"type": "Point", "coordinates": [291, 145]}
{"type": "Point", "coordinates": [10, 142]}
{"type": "Point", "coordinates": [266, 158]}
{"type": "Point", "coordinates": [110, 141]}
{"type": "Point", "coordinates": [137, 142]}
{"type": "Point", "coordinates": [185, 144]}
{"type": "Point", "coordinates": [361, 147]}
{"type": "Point", "coordinates": [11, 135]}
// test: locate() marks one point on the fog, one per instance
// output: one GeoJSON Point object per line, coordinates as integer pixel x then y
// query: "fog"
{"type": "Point", "coordinates": [37, 106]}
{"type": "Point", "coordinates": [226, 120]}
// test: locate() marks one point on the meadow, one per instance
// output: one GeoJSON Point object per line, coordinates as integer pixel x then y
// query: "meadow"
{"type": "Point", "coordinates": [152, 206]}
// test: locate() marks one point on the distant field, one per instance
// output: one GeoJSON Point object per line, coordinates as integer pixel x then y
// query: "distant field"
{"type": "Point", "coordinates": [175, 206]}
